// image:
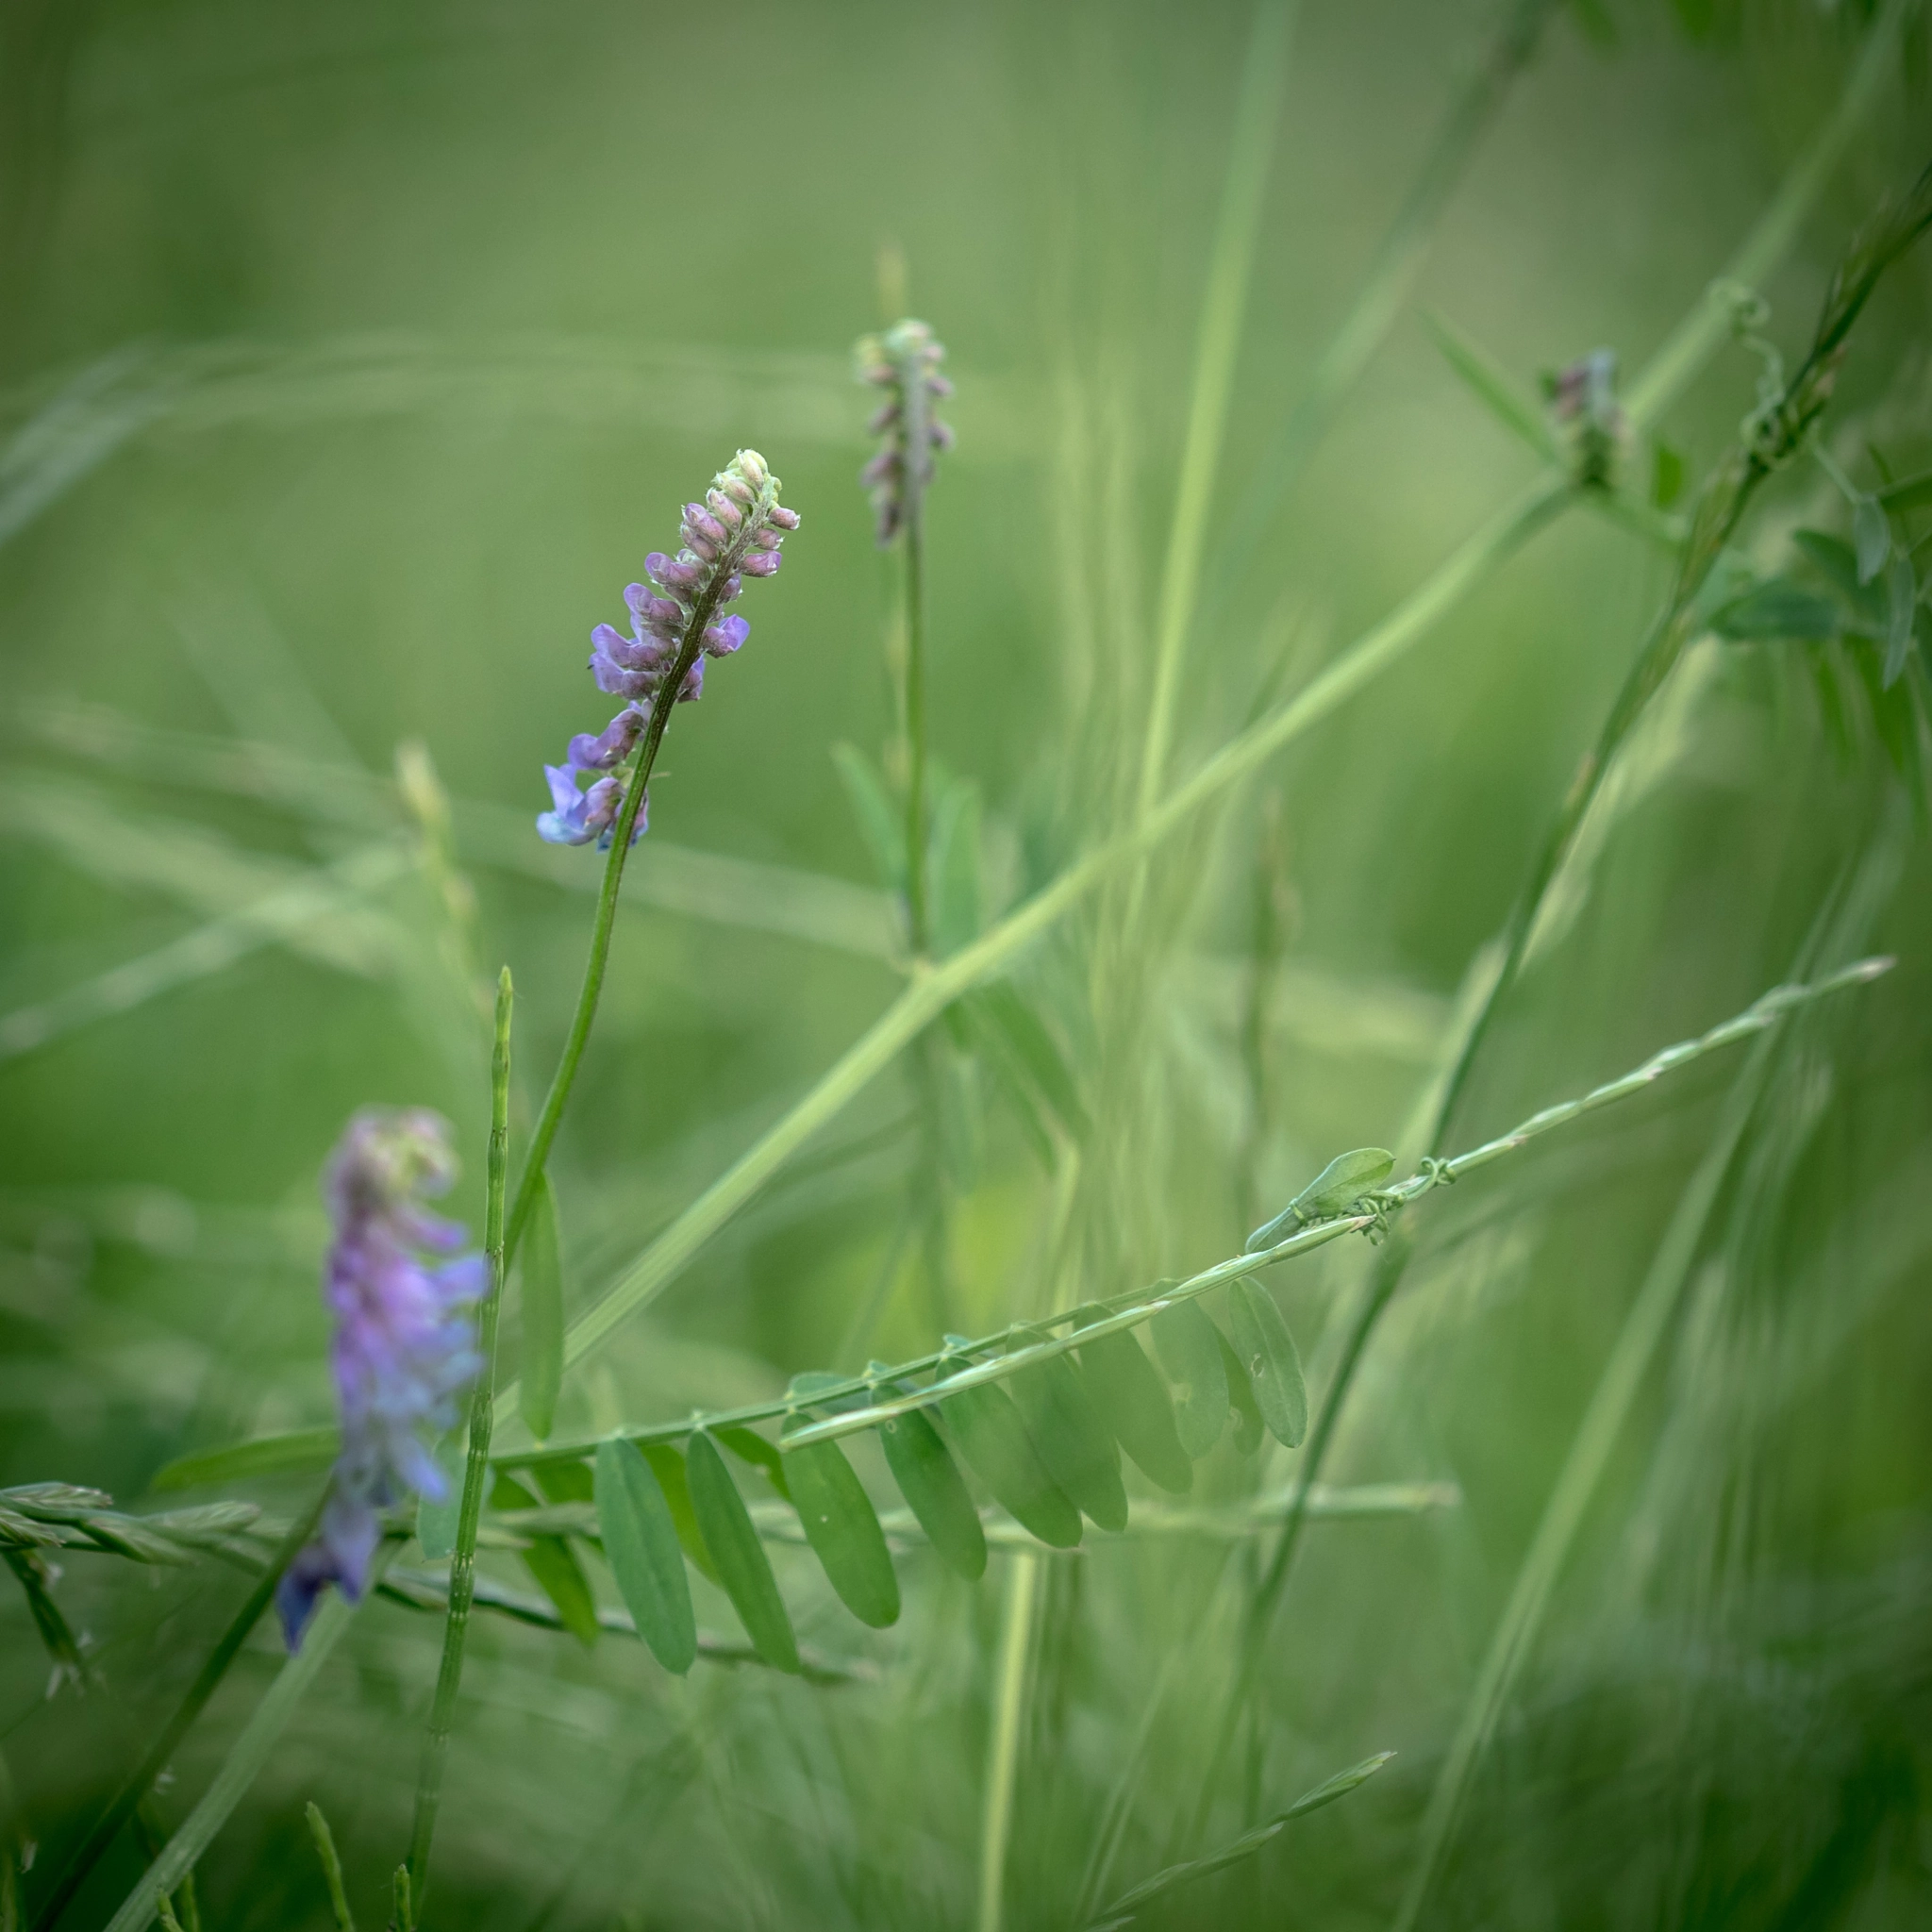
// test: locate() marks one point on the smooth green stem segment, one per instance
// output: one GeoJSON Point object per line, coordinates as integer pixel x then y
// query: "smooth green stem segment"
{"type": "Point", "coordinates": [1397, 263]}
{"type": "Point", "coordinates": [1264, 73]}
{"type": "Point", "coordinates": [1128, 1311]}
{"type": "Point", "coordinates": [1609, 1406]}
{"type": "Point", "coordinates": [1003, 1746]}
{"type": "Point", "coordinates": [108, 1826]}
{"type": "Point", "coordinates": [935, 987]}
{"type": "Point", "coordinates": [463, 1567]}
{"type": "Point", "coordinates": [243, 1763]}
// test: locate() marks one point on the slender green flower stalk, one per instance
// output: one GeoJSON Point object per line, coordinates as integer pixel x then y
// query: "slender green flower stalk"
{"type": "Point", "coordinates": [737, 531]}
{"type": "Point", "coordinates": [462, 1570]}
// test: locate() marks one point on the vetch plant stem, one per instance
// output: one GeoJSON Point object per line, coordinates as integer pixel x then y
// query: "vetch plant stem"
{"type": "Point", "coordinates": [1263, 77]}
{"type": "Point", "coordinates": [462, 1568]}
{"type": "Point", "coordinates": [1003, 1745]}
{"type": "Point", "coordinates": [245, 1761]}
{"type": "Point", "coordinates": [916, 401]}
{"type": "Point", "coordinates": [108, 1826]}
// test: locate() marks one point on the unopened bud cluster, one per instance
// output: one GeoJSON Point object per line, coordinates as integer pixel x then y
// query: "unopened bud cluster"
{"type": "Point", "coordinates": [736, 532]}
{"type": "Point", "coordinates": [904, 361]}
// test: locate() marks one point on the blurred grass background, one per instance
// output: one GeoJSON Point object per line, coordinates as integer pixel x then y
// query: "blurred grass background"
{"type": "Point", "coordinates": [351, 359]}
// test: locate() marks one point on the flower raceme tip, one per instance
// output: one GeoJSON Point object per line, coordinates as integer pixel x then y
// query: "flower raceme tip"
{"type": "Point", "coordinates": [404, 1344]}
{"type": "Point", "coordinates": [903, 361]}
{"type": "Point", "coordinates": [737, 531]}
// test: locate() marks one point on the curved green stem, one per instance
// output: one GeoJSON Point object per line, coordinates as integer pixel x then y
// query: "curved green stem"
{"type": "Point", "coordinates": [462, 1568]}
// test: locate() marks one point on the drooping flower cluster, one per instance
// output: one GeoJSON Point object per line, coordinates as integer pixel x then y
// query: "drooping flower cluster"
{"type": "Point", "coordinates": [736, 532]}
{"type": "Point", "coordinates": [404, 1343]}
{"type": "Point", "coordinates": [906, 361]}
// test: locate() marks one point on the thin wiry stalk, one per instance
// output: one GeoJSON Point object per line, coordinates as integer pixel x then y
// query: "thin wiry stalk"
{"type": "Point", "coordinates": [108, 1826]}
{"type": "Point", "coordinates": [916, 404]}
{"type": "Point", "coordinates": [1003, 1747]}
{"type": "Point", "coordinates": [1264, 73]}
{"type": "Point", "coordinates": [1725, 502]}
{"type": "Point", "coordinates": [245, 1761]}
{"type": "Point", "coordinates": [1397, 263]}
{"type": "Point", "coordinates": [462, 1568]}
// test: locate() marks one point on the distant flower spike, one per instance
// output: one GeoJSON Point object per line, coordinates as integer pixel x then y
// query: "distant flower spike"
{"type": "Point", "coordinates": [904, 361]}
{"type": "Point", "coordinates": [1583, 403]}
{"type": "Point", "coordinates": [404, 1346]}
{"type": "Point", "coordinates": [737, 531]}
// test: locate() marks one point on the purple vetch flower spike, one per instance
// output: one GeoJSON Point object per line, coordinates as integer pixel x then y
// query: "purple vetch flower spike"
{"type": "Point", "coordinates": [1589, 419]}
{"type": "Point", "coordinates": [904, 361]}
{"type": "Point", "coordinates": [737, 531]}
{"type": "Point", "coordinates": [404, 1343]}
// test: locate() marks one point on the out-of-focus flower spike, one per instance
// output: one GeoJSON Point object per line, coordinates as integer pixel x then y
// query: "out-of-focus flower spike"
{"type": "Point", "coordinates": [903, 360]}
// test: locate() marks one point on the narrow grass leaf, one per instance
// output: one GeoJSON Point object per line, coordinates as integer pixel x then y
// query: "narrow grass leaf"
{"type": "Point", "coordinates": [957, 899]}
{"type": "Point", "coordinates": [667, 1465]}
{"type": "Point", "coordinates": [844, 1530]}
{"type": "Point", "coordinates": [296, 1451]}
{"type": "Point", "coordinates": [993, 1440]}
{"type": "Point", "coordinates": [749, 1446]}
{"type": "Point", "coordinates": [1902, 586]}
{"type": "Point", "coordinates": [744, 1568]}
{"type": "Point", "coordinates": [640, 1544]}
{"type": "Point", "coordinates": [1034, 1048]}
{"type": "Point", "coordinates": [1132, 1400]}
{"type": "Point", "coordinates": [331, 1867]}
{"type": "Point", "coordinates": [935, 1491]}
{"type": "Point", "coordinates": [1189, 1345]}
{"type": "Point", "coordinates": [1074, 1444]}
{"type": "Point", "coordinates": [1267, 1351]}
{"type": "Point", "coordinates": [1131, 1904]}
{"type": "Point", "coordinates": [1493, 386]}
{"type": "Point", "coordinates": [1243, 1412]}
{"type": "Point", "coordinates": [871, 805]}
{"type": "Point", "coordinates": [1871, 537]}
{"type": "Point", "coordinates": [543, 1281]}
{"type": "Point", "coordinates": [1775, 610]}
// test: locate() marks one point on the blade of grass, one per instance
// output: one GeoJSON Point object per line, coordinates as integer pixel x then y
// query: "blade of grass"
{"type": "Point", "coordinates": [1003, 1746]}
{"type": "Point", "coordinates": [1264, 77]}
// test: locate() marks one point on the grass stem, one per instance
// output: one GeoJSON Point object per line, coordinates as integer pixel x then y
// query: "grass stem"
{"type": "Point", "coordinates": [1003, 1745]}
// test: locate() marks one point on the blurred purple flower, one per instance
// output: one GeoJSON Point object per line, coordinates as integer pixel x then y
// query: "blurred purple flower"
{"type": "Point", "coordinates": [404, 1344]}
{"type": "Point", "coordinates": [739, 530]}
{"type": "Point", "coordinates": [904, 361]}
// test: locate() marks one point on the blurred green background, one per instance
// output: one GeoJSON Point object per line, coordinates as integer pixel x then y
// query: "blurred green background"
{"type": "Point", "coordinates": [350, 361]}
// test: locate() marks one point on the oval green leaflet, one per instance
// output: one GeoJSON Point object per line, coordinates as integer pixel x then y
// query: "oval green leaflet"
{"type": "Point", "coordinates": [667, 1465]}
{"type": "Point", "coordinates": [1077, 1446]}
{"type": "Point", "coordinates": [1267, 1351]}
{"type": "Point", "coordinates": [744, 1568]}
{"type": "Point", "coordinates": [749, 1446]}
{"type": "Point", "coordinates": [993, 1440]}
{"type": "Point", "coordinates": [1132, 1400]}
{"type": "Point", "coordinates": [551, 1563]}
{"type": "Point", "coordinates": [642, 1547]}
{"type": "Point", "coordinates": [844, 1530]}
{"type": "Point", "coordinates": [934, 1489]}
{"type": "Point", "coordinates": [1334, 1191]}
{"type": "Point", "coordinates": [541, 1264]}
{"type": "Point", "coordinates": [1243, 1414]}
{"type": "Point", "coordinates": [1189, 1345]}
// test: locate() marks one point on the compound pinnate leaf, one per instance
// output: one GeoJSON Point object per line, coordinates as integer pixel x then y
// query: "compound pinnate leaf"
{"type": "Point", "coordinates": [642, 1547]}
{"type": "Point", "coordinates": [993, 1440]}
{"type": "Point", "coordinates": [1267, 1351]}
{"type": "Point", "coordinates": [1189, 1345]}
{"type": "Point", "coordinates": [542, 1289]}
{"type": "Point", "coordinates": [935, 1491]}
{"type": "Point", "coordinates": [744, 1568]}
{"type": "Point", "coordinates": [1074, 1444]}
{"type": "Point", "coordinates": [1132, 1400]}
{"type": "Point", "coordinates": [844, 1530]}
